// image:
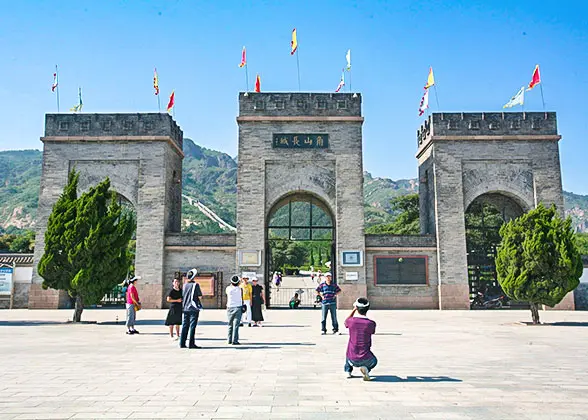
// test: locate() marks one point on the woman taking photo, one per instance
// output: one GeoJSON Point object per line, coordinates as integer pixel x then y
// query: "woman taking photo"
{"type": "Point", "coordinates": [174, 316]}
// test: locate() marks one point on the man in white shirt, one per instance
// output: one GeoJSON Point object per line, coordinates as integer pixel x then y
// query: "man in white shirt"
{"type": "Point", "coordinates": [234, 311]}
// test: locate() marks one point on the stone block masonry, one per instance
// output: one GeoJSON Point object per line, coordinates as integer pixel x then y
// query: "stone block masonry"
{"type": "Point", "coordinates": [332, 175]}
{"type": "Point", "coordinates": [463, 156]}
{"type": "Point", "coordinates": [142, 155]}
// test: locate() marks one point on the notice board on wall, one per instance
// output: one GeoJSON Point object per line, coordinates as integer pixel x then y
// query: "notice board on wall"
{"type": "Point", "coordinates": [393, 270]}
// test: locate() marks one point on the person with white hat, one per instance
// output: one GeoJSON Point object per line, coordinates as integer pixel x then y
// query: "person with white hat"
{"type": "Point", "coordinates": [328, 292]}
{"type": "Point", "coordinates": [235, 306]}
{"type": "Point", "coordinates": [191, 294]}
{"type": "Point", "coordinates": [361, 329]}
{"type": "Point", "coordinates": [133, 304]}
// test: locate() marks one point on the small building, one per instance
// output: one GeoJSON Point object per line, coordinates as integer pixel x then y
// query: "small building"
{"type": "Point", "coordinates": [16, 273]}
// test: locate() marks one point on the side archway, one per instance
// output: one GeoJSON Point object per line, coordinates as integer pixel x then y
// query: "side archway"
{"type": "Point", "coordinates": [483, 218]}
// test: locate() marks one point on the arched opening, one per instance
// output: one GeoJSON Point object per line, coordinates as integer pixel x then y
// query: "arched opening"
{"type": "Point", "coordinates": [116, 297]}
{"type": "Point", "coordinates": [483, 219]}
{"type": "Point", "coordinates": [300, 246]}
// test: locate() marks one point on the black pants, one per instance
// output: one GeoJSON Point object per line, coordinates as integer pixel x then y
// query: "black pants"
{"type": "Point", "coordinates": [190, 321]}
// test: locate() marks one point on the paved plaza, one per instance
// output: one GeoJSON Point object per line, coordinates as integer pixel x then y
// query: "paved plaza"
{"type": "Point", "coordinates": [432, 365]}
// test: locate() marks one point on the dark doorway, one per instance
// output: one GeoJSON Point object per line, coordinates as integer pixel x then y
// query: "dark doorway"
{"type": "Point", "coordinates": [483, 219]}
{"type": "Point", "coordinates": [300, 239]}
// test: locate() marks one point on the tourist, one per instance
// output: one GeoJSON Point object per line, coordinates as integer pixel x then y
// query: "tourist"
{"type": "Point", "coordinates": [278, 279]}
{"type": "Point", "coordinates": [319, 277]}
{"type": "Point", "coordinates": [328, 292]}
{"type": "Point", "coordinates": [191, 308]}
{"type": "Point", "coordinates": [174, 315]}
{"type": "Point", "coordinates": [133, 304]}
{"type": "Point", "coordinates": [235, 307]}
{"type": "Point", "coordinates": [361, 328]}
{"type": "Point", "coordinates": [247, 298]}
{"type": "Point", "coordinates": [257, 300]}
{"type": "Point", "coordinates": [294, 302]}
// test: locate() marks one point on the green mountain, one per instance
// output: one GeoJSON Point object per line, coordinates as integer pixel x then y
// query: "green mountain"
{"type": "Point", "coordinates": [210, 177]}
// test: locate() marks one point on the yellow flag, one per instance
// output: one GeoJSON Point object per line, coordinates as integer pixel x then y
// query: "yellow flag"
{"type": "Point", "coordinates": [430, 79]}
{"type": "Point", "coordinates": [294, 43]}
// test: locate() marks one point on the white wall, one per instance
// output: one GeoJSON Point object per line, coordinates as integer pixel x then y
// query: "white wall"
{"type": "Point", "coordinates": [23, 275]}
{"type": "Point", "coordinates": [584, 278]}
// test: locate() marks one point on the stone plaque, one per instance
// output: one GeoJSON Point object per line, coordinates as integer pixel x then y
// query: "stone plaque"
{"type": "Point", "coordinates": [352, 276]}
{"type": "Point", "coordinates": [249, 258]}
{"type": "Point", "coordinates": [398, 270]}
{"type": "Point", "coordinates": [300, 141]}
{"type": "Point", "coordinates": [351, 258]}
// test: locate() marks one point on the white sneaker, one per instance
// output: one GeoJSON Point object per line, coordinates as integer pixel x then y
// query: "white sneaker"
{"type": "Point", "coordinates": [348, 375]}
{"type": "Point", "coordinates": [365, 373]}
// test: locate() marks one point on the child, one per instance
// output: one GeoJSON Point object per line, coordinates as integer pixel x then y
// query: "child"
{"type": "Point", "coordinates": [295, 301]}
{"type": "Point", "coordinates": [361, 328]}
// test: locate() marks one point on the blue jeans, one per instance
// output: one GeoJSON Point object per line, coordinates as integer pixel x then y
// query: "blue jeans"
{"type": "Point", "coordinates": [234, 318]}
{"type": "Point", "coordinates": [368, 363]}
{"type": "Point", "coordinates": [189, 322]}
{"type": "Point", "coordinates": [332, 307]}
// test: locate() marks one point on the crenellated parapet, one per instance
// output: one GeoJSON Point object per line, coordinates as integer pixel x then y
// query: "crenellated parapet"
{"type": "Point", "coordinates": [299, 104]}
{"type": "Point", "coordinates": [486, 126]}
{"type": "Point", "coordinates": [81, 126]}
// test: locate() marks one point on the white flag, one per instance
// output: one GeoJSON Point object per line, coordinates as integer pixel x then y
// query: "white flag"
{"type": "Point", "coordinates": [518, 99]}
{"type": "Point", "coordinates": [424, 102]}
{"type": "Point", "coordinates": [342, 82]}
{"type": "Point", "coordinates": [348, 57]}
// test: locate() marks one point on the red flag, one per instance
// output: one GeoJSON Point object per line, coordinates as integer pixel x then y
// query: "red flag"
{"type": "Point", "coordinates": [243, 58]}
{"type": "Point", "coordinates": [55, 82]}
{"type": "Point", "coordinates": [258, 84]}
{"type": "Point", "coordinates": [536, 79]}
{"type": "Point", "coordinates": [172, 101]}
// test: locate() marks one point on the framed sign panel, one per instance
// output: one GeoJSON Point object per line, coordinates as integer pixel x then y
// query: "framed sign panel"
{"type": "Point", "coordinates": [401, 270]}
{"type": "Point", "coordinates": [249, 258]}
{"type": "Point", "coordinates": [352, 258]}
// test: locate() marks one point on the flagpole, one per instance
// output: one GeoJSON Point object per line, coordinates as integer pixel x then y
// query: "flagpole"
{"type": "Point", "coordinates": [298, 69]}
{"type": "Point", "coordinates": [542, 100]}
{"type": "Point", "coordinates": [437, 98]}
{"type": "Point", "coordinates": [246, 79]}
{"type": "Point", "coordinates": [57, 87]}
{"type": "Point", "coordinates": [158, 102]}
{"type": "Point", "coordinates": [349, 80]}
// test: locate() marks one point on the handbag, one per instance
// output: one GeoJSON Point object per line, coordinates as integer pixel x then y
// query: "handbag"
{"type": "Point", "coordinates": [243, 306]}
{"type": "Point", "coordinates": [195, 303]}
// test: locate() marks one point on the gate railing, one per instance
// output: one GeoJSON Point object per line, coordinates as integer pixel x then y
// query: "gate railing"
{"type": "Point", "coordinates": [280, 296]}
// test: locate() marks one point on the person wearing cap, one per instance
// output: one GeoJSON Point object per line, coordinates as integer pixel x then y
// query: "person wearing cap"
{"type": "Point", "coordinates": [247, 299]}
{"type": "Point", "coordinates": [191, 294]}
{"type": "Point", "coordinates": [133, 304]}
{"type": "Point", "coordinates": [257, 300]}
{"type": "Point", "coordinates": [361, 329]}
{"type": "Point", "coordinates": [328, 292]}
{"type": "Point", "coordinates": [234, 309]}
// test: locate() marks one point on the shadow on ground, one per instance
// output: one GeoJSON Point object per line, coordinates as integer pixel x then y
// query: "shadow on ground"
{"type": "Point", "coordinates": [394, 378]}
{"type": "Point", "coordinates": [556, 324]}
{"type": "Point", "coordinates": [31, 323]}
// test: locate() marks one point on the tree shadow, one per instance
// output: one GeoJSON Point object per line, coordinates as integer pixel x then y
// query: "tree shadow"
{"type": "Point", "coordinates": [33, 323]}
{"type": "Point", "coordinates": [161, 322]}
{"type": "Point", "coordinates": [394, 378]}
{"type": "Point", "coordinates": [557, 324]}
{"type": "Point", "coordinates": [284, 326]}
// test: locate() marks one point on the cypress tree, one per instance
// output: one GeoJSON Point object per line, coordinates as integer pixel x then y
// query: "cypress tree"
{"type": "Point", "coordinates": [86, 244]}
{"type": "Point", "coordinates": [538, 260]}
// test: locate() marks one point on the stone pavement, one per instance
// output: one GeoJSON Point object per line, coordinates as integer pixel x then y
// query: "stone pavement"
{"type": "Point", "coordinates": [432, 365]}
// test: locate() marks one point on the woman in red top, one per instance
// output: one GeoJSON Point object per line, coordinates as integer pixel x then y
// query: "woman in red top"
{"type": "Point", "coordinates": [133, 305]}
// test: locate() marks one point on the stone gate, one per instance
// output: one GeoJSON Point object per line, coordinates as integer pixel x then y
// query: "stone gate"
{"type": "Point", "coordinates": [308, 144]}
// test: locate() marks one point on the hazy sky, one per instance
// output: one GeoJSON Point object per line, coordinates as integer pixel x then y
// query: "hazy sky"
{"type": "Point", "coordinates": [482, 52]}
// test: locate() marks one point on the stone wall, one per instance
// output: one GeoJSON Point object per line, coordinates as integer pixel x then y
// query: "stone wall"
{"type": "Point", "coordinates": [334, 175]}
{"type": "Point", "coordinates": [470, 154]}
{"type": "Point", "coordinates": [402, 296]}
{"type": "Point", "coordinates": [140, 153]}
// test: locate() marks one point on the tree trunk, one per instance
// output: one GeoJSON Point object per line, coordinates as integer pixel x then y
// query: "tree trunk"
{"type": "Point", "coordinates": [79, 307]}
{"type": "Point", "coordinates": [535, 313]}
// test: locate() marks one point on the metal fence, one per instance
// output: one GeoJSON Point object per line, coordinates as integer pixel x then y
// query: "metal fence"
{"type": "Point", "coordinates": [115, 297]}
{"type": "Point", "coordinates": [280, 296]}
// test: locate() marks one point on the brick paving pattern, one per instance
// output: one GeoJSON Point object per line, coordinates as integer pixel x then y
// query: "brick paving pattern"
{"type": "Point", "coordinates": [432, 365]}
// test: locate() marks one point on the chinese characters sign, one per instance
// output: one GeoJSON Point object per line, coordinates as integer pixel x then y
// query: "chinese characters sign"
{"type": "Point", "coordinates": [301, 141]}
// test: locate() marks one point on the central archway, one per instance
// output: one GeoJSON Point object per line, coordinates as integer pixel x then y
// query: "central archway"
{"type": "Point", "coordinates": [300, 240]}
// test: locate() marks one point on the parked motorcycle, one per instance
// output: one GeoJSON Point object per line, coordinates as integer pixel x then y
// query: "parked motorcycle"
{"type": "Point", "coordinates": [482, 301]}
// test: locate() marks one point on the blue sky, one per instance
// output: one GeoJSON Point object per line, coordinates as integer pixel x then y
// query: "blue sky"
{"type": "Point", "coordinates": [481, 52]}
